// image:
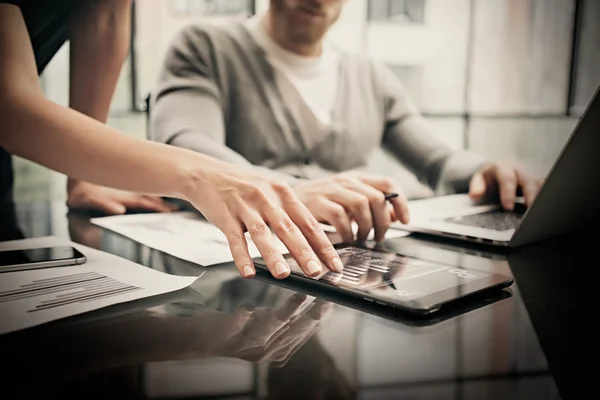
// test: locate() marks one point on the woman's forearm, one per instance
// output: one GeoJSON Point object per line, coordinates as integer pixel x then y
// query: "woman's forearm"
{"type": "Point", "coordinates": [74, 144]}
{"type": "Point", "coordinates": [232, 198]}
{"type": "Point", "coordinates": [100, 33]}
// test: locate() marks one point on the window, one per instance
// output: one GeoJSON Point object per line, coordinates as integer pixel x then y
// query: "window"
{"type": "Point", "coordinates": [401, 11]}
{"type": "Point", "coordinates": [211, 7]}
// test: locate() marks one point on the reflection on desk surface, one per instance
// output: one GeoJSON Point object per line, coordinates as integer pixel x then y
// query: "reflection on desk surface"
{"type": "Point", "coordinates": [234, 337]}
{"type": "Point", "coordinates": [228, 337]}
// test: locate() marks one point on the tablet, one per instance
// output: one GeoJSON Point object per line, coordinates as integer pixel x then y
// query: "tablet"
{"type": "Point", "coordinates": [397, 281]}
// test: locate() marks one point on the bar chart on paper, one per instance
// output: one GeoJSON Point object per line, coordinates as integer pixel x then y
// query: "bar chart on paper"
{"type": "Point", "coordinates": [66, 289]}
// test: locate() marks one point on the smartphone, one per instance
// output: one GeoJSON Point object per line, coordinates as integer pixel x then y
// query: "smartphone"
{"type": "Point", "coordinates": [46, 257]}
{"type": "Point", "coordinates": [385, 278]}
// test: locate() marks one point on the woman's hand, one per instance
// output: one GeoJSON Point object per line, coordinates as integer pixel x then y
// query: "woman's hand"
{"type": "Point", "coordinates": [238, 199]}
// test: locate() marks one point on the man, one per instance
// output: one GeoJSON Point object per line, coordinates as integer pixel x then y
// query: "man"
{"type": "Point", "coordinates": [273, 93]}
{"type": "Point", "coordinates": [69, 141]}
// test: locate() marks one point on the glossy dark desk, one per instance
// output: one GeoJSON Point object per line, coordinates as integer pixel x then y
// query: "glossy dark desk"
{"type": "Point", "coordinates": [226, 337]}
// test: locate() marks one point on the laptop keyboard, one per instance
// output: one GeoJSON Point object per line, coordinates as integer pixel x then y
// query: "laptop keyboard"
{"type": "Point", "coordinates": [497, 220]}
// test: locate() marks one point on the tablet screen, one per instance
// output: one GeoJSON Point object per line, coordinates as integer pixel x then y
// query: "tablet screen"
{"type": "Point", "coordinates": [392, 276]}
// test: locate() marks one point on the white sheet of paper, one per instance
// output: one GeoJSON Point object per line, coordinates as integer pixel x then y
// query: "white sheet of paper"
{"type": "Point", "coordinates": [428, 209]}
{"type": "Point", "coordinates": [390, 234]}
{"type": "Point", "coordinates": [438, 207]}
{"type": "Point", "coordinates": [30, 298]}
{"type": "Point", "coordinates": [184, 235]}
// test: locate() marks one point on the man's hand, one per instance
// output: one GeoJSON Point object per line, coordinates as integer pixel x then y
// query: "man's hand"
{"type": "Point", "coordinates": [354, 196]}
{"type": "Point", "coordinates": [505, 180]}
{"type": "Point", "coordinates": [236, 199]}
{"type": "Point", "coordinates": [84, 195]}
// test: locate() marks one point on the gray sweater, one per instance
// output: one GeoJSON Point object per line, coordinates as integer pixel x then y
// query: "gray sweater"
{"type": "Point", "coordinates": [217, 95]}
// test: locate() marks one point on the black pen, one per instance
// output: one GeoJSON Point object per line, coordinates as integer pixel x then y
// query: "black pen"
{"type": "Point", "coordinates": [389, 196]}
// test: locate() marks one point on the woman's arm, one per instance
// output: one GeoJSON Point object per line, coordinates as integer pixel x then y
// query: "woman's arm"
{"type": "Point", "coordinates": [68, 141]}
{"type": "Point", "coordinates": [99, 36]}
{"type": "Point", "coordinates": [232, 198]}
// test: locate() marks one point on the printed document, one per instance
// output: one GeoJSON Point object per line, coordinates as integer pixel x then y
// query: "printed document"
{"type": "Point", "coordinates": [34, 297]}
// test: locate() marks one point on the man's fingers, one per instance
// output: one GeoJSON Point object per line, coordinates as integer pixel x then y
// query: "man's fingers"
{"type": "Point", "coordinates": [161, 205]}
{"type": "Point", "coordinates": [311, 229]}
{"type": "Point", "coordinates": [337, 216]}
{"type": "Point", "coordinates": [381, 183]}
{"type": "Point", "coordinates": [142, 202]}
{"type": "Point", "coordinates": [528, 184]}
{"type": "Point", "coordinates": [379, 209]}
{"type": "Point", "coordinates": [510, 180]}
{"type": "Point", "coordinates": [358, 205]}
{"type": "Point", "coordinates": [392, 211]}
{"type": "Point", "coordinates": [107, 205]}
{"type": "Point", "coordinates": [387, 185]}
{"type": "Point", "coordinates": [477, 187]}
{"type": "Point", "coordinates": [400, 204]}
{"type": "Point", "coordinates": [507, 184]}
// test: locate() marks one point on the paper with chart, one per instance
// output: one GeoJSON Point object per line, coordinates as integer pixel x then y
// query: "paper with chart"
{"type": "Point", "coordinates": [30, 298]}
{"type": "Point", "coordinates": [185, 235]}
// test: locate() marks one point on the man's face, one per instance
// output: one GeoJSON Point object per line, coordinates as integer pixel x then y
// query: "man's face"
{"type": "Point", "coordinates": [305, 22]}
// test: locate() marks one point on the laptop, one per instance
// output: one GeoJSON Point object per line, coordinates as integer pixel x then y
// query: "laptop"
{"type": "Point", "coordinates": [566, 203]}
